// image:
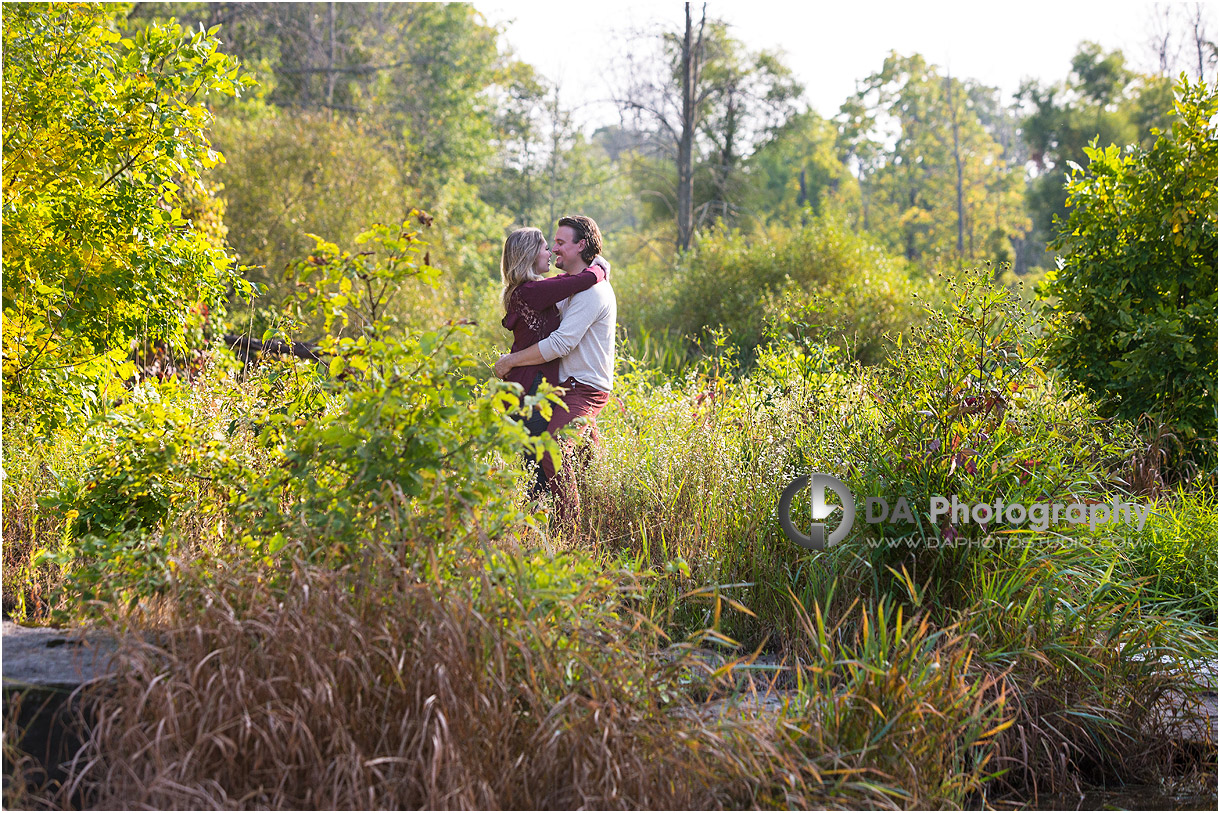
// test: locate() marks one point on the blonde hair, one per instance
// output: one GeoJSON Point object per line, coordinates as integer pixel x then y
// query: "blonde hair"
{"type": "Point", "coordinates": [517, 262]}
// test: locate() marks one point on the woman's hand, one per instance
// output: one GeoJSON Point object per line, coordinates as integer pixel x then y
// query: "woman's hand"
{"type": "Point", "coordinates": [502, 366]}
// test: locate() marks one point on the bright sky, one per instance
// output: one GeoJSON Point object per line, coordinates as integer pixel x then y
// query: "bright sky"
{"type": "Point", "coordinates": [830, 46]}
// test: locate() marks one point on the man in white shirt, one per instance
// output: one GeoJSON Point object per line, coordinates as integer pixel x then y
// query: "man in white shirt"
{"type": "Point", "coordinates": [583, 343]}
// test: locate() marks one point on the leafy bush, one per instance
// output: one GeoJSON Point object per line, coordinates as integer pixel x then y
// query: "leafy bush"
{"type": "Point", "coordinates": [962, 408]}
{"type": "Point", "coordinates": [820, 275]}
{"type": "Point", "coordinates": [1135, 296]}
{"type": "Point", "coordinates": [152, 478]}
{"type": "Point", "coordinates": [409, 446]}
{"type": "Point", "coordinates": [96, 249]}
{"type": "Point", "coordinates": [393, 440]}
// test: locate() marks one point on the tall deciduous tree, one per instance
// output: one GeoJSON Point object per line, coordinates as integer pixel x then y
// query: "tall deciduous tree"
{"type": "Point", "coordinates": [799, 172]}
{"type": "Point", "coordinates": [691, 58]}
{"type": "Point", "coordinates": [751, 94]}
{"type": "Point", "coordinates": [1102, 99]}
{"type": "Point", "coordinates": [432, 78]}
{"type": "Point", "coordinates": [935, 181]}
{"type": "Point", "coordinates": [707, 102]}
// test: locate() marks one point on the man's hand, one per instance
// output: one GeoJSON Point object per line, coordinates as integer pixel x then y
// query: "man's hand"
{"type": "Point", "coordinates": [522, 358]}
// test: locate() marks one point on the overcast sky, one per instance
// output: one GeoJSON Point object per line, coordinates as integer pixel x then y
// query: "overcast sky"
{"type": "Point", "coordinates": [830, 46]}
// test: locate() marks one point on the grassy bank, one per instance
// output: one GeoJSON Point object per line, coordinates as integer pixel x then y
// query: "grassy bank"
{"type": "Point", "coordinates": [354, 606]}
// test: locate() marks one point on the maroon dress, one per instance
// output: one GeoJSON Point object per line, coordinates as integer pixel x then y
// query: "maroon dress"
{"type": "Point", "coordinates": [532, 316]}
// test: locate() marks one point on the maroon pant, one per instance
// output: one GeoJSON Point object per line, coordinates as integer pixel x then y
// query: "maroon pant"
{"type": "Point", "coordinates": [579, 401]}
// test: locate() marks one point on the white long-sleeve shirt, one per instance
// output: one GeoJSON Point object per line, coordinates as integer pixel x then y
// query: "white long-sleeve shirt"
{"type": "Point", "coordinates": [584, 340]}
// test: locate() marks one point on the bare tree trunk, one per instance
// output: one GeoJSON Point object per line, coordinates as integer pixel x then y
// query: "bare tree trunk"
{"type": "Point", "coordinates": [957, 160]}
{"type": "Point", "coordinates": [1162, 38]}
{"type": "Point", "coordinates": [330, 74]}
{"type": "Point", "coordinates": [691, 55]}
{"type": "Point", "coordinates": [556, 139]}
{"type": "Point", "coordinates": [1199, 26]}
{"type": "Point", "coordinates": [727, 158]}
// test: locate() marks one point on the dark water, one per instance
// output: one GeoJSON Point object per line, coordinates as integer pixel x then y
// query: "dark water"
{"type": "Point", "coordinates": [1131, 797]}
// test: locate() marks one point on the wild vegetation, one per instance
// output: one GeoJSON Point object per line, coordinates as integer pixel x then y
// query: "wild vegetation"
{"type": "Point", "coordinates": [330, 585]}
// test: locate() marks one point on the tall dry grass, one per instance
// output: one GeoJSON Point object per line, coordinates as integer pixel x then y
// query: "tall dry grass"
{"type": "Point", "coordinates": [369, 690]}
{"type": "Point", "coordinates": [502, 687]}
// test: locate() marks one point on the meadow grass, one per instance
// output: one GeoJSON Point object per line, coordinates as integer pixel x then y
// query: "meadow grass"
{"type": "Point", "coordinates": [31, 472]}
{"type": "Point", "coordinates": [364, 688]}
{"type": "Point", "coordinates": [436, 654]}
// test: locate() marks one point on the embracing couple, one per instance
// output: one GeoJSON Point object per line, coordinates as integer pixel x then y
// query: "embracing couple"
{"type": "Point", "coordinates": [563, 333]}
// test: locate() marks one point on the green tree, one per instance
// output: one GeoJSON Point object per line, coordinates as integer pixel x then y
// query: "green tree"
{"type": "Point", "coordinates": [1101, 99]}
{"type": "Point", "coordinates": [1135, 293]}
{"type": "Point", "coordinates": [431, 78]}
{"type": "Point", "coordinates": [438, 101]}
{"type": "Point", "coordinates": [289, 174]}
{"type": "Point", "coordinates": [372, 110]}
{"type": "Point", "coordinates": [799, 172]}
{"type": "Point", "coordinates": [551, 169]}
{"type": "Point", "coordinates": [100, 132]}
{"type": "Point", "coordinates": [750, 95]}
{"type": "Point", "coordinates": [944, 189]}
{"type": "Point", "coordinates": [705, 103]}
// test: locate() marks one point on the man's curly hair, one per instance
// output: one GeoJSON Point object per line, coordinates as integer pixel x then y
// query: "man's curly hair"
{"type": "Point", "coordinates": [585, 229]}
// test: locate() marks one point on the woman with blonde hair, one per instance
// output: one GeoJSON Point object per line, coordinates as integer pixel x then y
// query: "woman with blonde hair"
{"type": "Point", "coordinates": [529, 299]}
{"type": "Point", "coordinates": [529, 303]}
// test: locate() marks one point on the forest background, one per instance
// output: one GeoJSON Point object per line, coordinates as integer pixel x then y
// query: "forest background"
{"type": "Point", "coordinates": [363, 113]}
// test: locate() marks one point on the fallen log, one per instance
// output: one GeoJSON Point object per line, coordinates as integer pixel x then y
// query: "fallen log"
{"type": "Point", "coordinates": [247, 348]}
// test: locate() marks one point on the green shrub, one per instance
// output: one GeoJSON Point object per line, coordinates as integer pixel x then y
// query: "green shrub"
{"type": "Point", "coordinates": [1135, 296]}
{"type": "Point", "coordinates": [150, 491]}
{"type": "Point", "coordinates": [409, 447]}
{"type": "Point", "coordinates": [34, 468]}
{"type": "Point", "coordinates": [392, 440]}
{"type": "Point", "coordinates": [693, 469]}
{"type": "Point", "coordinates": [962, 408]}
{"type": "Point", "coordinates": [820, 275]}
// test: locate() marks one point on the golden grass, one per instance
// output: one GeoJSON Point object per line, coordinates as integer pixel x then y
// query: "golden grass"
{"type": "Point", "coordinates": [365, 688]}
{"type": "Point", "coordinates": [371, 691]}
